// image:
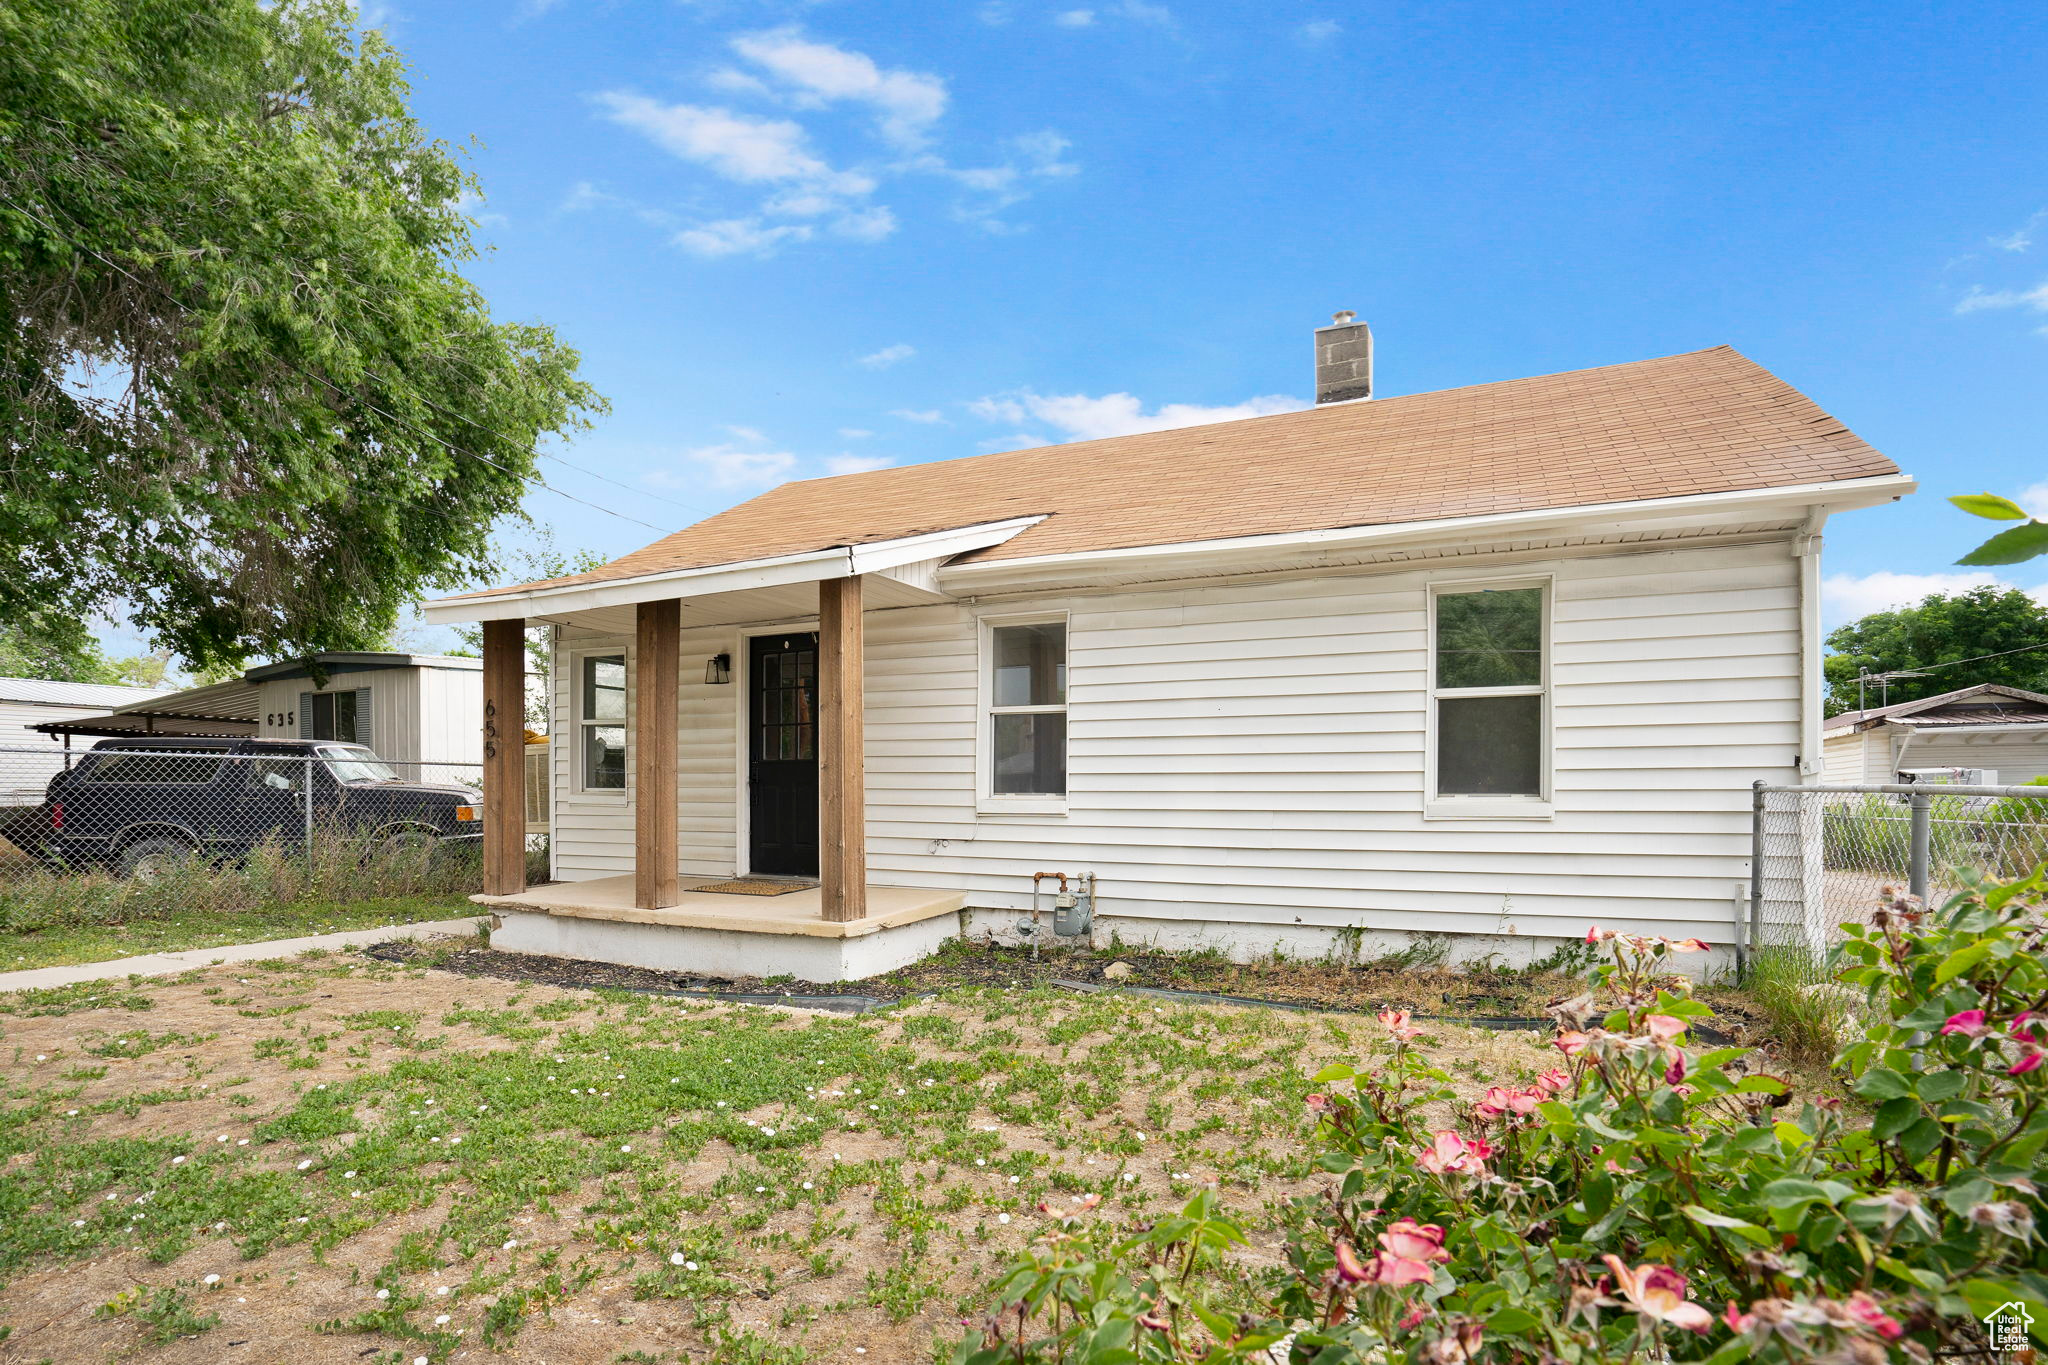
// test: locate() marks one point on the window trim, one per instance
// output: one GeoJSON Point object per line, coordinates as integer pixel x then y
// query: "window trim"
{"type": "Point", "coordinates": [623, 793]}
{"type": "Point", "coordinates": [986, 801]}
{"type": "Point", "coordinates": [1541, 806]}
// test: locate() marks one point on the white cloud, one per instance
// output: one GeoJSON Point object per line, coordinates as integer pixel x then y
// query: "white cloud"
{"type": "Point", "coordinates": [739, 237]}
{"type": "Point", "coordinates": [1318, 30]}
{"type": "Point", "coordinates": [855, 433]}
{"type": "Point", "coordinates": [1085, 418]}
{"type": "Point", "coordinates": [736, 146]}
{"type": "Point", "coordinates": [2022, 237]}
{"type": "Point", "coordinates": [888, 355]}
{"type": "Point", "coordinates": [1075, 18]}
{"type": "Point", "coordinates": [1144, 13]}
{"type": "Point", "coordinates": [1979, 299]}
{"type": "Point", "coordinates": [728, 466]}
{"type": "Point", "coordinates": [994, 13]}
{"type": "Point", "coordinates": [928, 416]}
{"type": "Point", "coordinates": [865, 225]}
{"type": "Point", "coordinates": [856, 464]}
{"type": "Point", "coordinates": [1846, 597]}
{"type": "Point", "coordinates": [777, 153]}
{"type": "Point", "coordinates": [471, 203]}
{"type": "Point", "coordinates": [905, 103]}
{"type": "Point", "coordinates": [1016, 440]}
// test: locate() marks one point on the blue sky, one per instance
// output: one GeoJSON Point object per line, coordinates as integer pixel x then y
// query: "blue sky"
{"type": "Point", "coordinates": [797, 238]}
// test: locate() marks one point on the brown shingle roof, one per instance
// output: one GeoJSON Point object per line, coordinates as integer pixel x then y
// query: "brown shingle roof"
{"type": "Point", "coordinates": [1705, 422]}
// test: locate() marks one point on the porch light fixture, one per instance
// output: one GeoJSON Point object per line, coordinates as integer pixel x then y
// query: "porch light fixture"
{"type": "Point", "coordinates": [718, 669]}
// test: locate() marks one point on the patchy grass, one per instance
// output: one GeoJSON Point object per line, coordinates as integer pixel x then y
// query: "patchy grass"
{"type": "Point", "coordinates": [64, 944]}
{"type": "Point", "coordinates": [338, 1158]}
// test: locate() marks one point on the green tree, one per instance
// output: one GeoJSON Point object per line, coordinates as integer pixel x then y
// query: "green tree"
{"type": "Point", "coordinates": [62, 655]}
{"type": "Point", "coordinates": [246, 397]}
{"type": "Point", "coordinates": [1942, 629]}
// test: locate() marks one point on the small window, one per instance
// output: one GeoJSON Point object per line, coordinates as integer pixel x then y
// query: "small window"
{"type": "Point", "coordinates": [330, 715]}
{"type": "Point", "coordinates": [601, 750]}
{"type": "Point", "coordinates": [1027, 711]}
{"type": "Point", "coordinates": [147, 768]}
{"type": "Point", "coordinates": [1489, 693]}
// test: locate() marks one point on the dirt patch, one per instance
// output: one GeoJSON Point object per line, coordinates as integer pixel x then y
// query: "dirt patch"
{"type": "Point", "coordinates": [1354, 987]}
{"type": "Point", "coordinates": [541, 1173]}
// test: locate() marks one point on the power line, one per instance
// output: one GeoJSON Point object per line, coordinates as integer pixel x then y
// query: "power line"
{"type": "Point", "coordinates": [534, 479]}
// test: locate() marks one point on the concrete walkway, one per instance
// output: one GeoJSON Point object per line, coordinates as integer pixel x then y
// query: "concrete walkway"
{"type": "Point", "coordinates": [170, 964]}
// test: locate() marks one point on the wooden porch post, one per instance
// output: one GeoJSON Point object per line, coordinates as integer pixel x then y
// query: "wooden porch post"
{"type": "Point", "coordinates": [842, 765]}
{"type": "Point", "coordinates": [658, 627]}
{"type": "Point", "coordinates": [504, 758]}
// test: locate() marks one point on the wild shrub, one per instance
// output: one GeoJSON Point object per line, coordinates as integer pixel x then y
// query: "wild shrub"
{"type": "Point", "coordinates": [1639, 1201]}
{"type": "Point", "coordinates": [335, 869]}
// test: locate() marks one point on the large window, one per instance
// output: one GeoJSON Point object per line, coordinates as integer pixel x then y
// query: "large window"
{"type": "Point", "coordinates": [601, 722]}
{"type": "Point", "coordinates": [1026, 721]}
{"type": "Point", "coordinates": [1489, 684]}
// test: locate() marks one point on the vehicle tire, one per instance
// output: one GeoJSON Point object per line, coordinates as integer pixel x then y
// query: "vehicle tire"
{"type": "Point", "coordinates": [413, 846]}
{"type": "Point", "coordinates": [148, 858]}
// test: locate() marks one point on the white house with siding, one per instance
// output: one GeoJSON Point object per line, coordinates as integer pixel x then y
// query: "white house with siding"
{"type": "Point", "coordinates": [1996, 731]}
{"type": "Point", "coordinates": [1494, 662]}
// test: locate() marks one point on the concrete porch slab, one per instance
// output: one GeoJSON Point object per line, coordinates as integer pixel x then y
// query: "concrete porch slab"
{"type": "Point", "coordinates": [724, 935]}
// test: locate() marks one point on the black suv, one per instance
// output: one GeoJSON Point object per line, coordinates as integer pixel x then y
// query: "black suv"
{"type": "Point", "coordinates": [134, 804]}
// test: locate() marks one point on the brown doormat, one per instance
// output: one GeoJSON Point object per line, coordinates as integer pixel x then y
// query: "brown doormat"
{"type": "Point", "coordinates": [754, 886]}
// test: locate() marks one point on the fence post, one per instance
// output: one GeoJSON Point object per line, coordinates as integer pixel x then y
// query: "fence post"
{"type": "Point", "coordinates": [309, 804]}
{"type": "Point", "coordinates": [1754, 930]}
{"type": "Point", "coordinates": [1921, 829]}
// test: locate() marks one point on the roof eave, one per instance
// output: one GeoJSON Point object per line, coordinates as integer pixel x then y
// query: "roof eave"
{"type": "Point", "coordinates": [1203, 557]}
{"type": "Point", "coordinates": [837, 561]}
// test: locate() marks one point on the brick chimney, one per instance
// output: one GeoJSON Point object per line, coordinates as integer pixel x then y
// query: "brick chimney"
{"type": "Point", "coordinates": [1343, 360]}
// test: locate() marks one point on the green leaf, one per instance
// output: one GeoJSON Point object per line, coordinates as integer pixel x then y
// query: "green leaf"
{"type": "Point", "coordinates": [1894, 1116]}
{"type": "Point", "coordinates": [1882, 1083]}
{"type": "Point", "coordinates": [2015, 546]}
{"type": "Point", "coordinates": [1990, 506]}
{"type": "Point", "coordinates": [1740, 1227]}
{"type": "Point", "coordinates": [1509, 1321]}
{"type": "Point", "coordinates": [1936, 1086]}
{"type": "Point", "coordinates": [1793, 1193]}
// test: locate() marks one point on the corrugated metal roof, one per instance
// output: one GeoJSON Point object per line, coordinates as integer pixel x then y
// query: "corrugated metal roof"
{"type": "Point", "coordinates": [43, 692]}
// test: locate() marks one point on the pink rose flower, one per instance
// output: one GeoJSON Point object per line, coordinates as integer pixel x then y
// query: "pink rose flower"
{"type": "Point", "coordinates": [1969, 1023]}
{"type": "Point", "coordinates": [1554, 1080]}
{"type": "Point", "coordinates": [1396, 1023]}
{"type": "Point", "coordinates": [1413, 1242]}
{"type": "Point", "coordinates": [1658, 1293]}
{"type": "Point", "coordinates": [1663, 1028]}
{"type": "Point", "coordinates": [1864, 1310]}
{"type": "Point", "coordinates": [1570, 1042]}
{"type": "Point", "coordinates": [2030, 1060]}
{"type": "Point", "coordinates": [1450, 1154]}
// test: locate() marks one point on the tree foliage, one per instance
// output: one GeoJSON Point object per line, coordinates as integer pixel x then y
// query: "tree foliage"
{"type": "Point", "coordinates": [245, 394]}
{"type": "Point", "coordinates": [1942, 629]}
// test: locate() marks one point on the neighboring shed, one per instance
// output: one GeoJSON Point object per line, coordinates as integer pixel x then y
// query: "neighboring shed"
{"type": "Point", "coordinates": [1993, 728]}
{"type": "Point", "coordinates": [27, 757]}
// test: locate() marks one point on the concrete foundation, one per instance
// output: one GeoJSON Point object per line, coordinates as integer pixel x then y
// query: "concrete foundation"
{"type": "Point", "coordinates": [725, 935]}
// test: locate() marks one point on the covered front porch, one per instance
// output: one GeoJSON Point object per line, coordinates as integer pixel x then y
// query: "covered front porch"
{"type": "Point", "coordinates": [826, 923]}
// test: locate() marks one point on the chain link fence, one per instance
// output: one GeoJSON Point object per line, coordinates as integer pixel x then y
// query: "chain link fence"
{"type": "Point", "coordinates": [1823, 854]}
{"type": "Point", "coordinates": [131, 809]}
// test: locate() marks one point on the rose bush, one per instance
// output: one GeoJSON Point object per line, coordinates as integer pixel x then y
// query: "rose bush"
{"type": "Point", "coordinates": [1641, 1200]}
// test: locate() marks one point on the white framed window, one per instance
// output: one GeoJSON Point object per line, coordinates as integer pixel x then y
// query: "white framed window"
{"type": "Point", "coordinates": [1488, 733]}
{"type": "Point", "coordinates": [1023, 740]}
{"type": "Point", "coordinates": [600, 710]}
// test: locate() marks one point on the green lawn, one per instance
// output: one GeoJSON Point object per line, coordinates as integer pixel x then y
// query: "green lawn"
{"type": "Point", "coordinates": [342, 1158]}
{"type": "Point", "coordinates": [65, 944]}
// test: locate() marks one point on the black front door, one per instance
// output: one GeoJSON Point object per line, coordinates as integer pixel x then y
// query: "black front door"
{"type": "Point", "coordinates": [782, 767]}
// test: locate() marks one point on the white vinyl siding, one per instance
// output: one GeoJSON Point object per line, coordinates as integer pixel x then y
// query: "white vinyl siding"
{"type": "Point", "coordinates": [1254, 752]}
